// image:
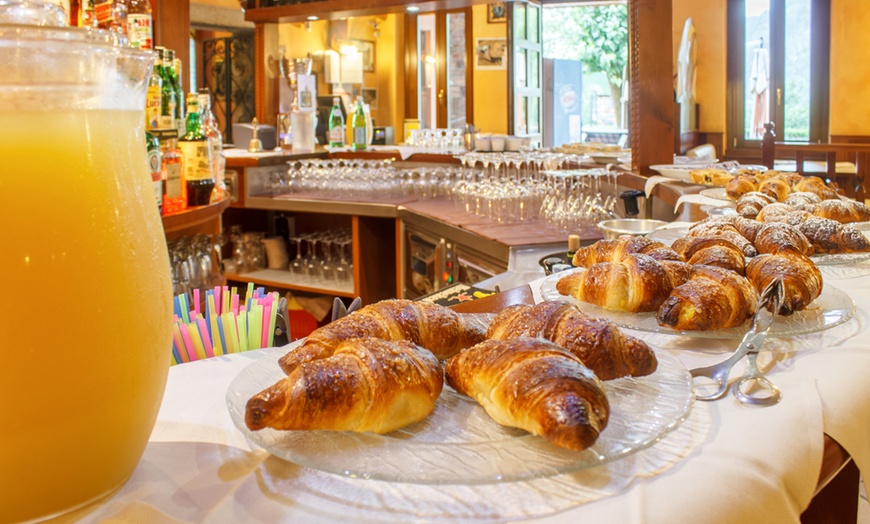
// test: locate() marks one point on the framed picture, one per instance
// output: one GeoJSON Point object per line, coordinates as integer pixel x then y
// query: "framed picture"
{"type": "Point", "coordinates": [367, 49]}
{"type": "Point", "coordinates": [496, 13]}
{"type": "Point", "coordinates": [370, 97]}
{"type": "Point", "coordinates": [491, 53]}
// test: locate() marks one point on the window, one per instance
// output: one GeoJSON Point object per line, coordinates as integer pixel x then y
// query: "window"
{"type": "Point", "coordinates": [778, 52]}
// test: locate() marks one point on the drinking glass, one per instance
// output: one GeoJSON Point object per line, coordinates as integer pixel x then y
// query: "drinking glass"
{"type": "Point", "coordinates": [79, 405]}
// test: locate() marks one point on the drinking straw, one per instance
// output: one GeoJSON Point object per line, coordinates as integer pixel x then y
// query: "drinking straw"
{"type": "Point", "coordinates": [173, 362]}
{"type": "Point", "coordinates": [210, 312]}
{"type": "Point", "coordinates": [216, 293]}
{"type": "Point", "coordinates": [249, 293]}
{"type": "Point", "coordinates": [226, 300]}
{"type": "Point", "coordinates": [206, 339]}
{"type": "Point", "coordinates": [188, 343]}
{"type": "Point", "coordinates": [185, 311]}
{"type": "Point", "coordinates": [268, 326]}
{"type": "Point", "coordinates": [255, 326]}
{"type": "Point", "coordinates": [176, 307]}
{"type": "Point", "coordinates": [196, 301]}
{"type": "Point", "coordinates": [235, 306]}
{"type": "Point", "coordinates": [230, 333]}
{"type": "Point", "coordinates": [198, 346]}
{"type": "Point", "coordinates": [216, 336]}
{"type": "Point", "coordinates": [178, 343]}
{"type": "Point", "coordinates": [222, 338]}
{"type": "Point", "coordinates": [242, 324]}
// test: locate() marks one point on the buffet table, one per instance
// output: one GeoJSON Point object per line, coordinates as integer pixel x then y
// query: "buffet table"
{"type": "Point", "coordinates": [725, 463]}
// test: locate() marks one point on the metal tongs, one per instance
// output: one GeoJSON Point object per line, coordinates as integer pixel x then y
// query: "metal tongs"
{"type": "Point", "coordinates": [763, 392]}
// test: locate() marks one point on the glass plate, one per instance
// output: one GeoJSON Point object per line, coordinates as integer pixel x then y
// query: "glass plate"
{"type": "Point", "coordinates": [460, 444]}
{"type": "Point", "coordinates": [717, 193]}
{"type": "Point", "coordinates": [831, 308]}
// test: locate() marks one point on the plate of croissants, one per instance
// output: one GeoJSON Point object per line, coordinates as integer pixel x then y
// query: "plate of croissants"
{"type": "Point", "coordinates": [413, 392]}
{"type": "Point", "coordinates": [705, 283]}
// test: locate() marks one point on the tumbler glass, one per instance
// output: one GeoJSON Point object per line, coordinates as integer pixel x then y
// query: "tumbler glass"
{"type": "Point", "coordinates": [84, 253]}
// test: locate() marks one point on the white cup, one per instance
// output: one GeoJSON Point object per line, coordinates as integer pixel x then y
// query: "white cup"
{"type": "Point", "coordinates": [498, 142]}
{"type": "Point", "coordinates": [483, 142]}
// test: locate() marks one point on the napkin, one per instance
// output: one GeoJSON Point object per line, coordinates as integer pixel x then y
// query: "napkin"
{"type": "Point", "coordinates": [697, 199]}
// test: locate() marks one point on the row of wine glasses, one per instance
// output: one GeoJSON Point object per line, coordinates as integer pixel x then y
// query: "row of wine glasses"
{"type": "Point", "coordinates": [323, 258]}
{"type": "Point", "coordinates": [438, 140]}
{"type": "Point", "coordinates": [196, 262]}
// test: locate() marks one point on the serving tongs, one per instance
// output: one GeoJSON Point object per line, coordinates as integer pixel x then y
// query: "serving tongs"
{"type": "Point", "coordinates": [753, 387]}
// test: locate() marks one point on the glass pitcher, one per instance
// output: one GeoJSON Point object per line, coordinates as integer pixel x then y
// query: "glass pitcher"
{"type": "Point", "coordinates": [86, 317]}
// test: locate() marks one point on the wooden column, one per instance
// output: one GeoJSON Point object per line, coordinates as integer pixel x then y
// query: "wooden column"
{"type": "Point", "coordinates": [266, 71]}
{"type": "Point", "coordinates": [652, 89]}
{"type": "Point", "coordinates": [172, 31]}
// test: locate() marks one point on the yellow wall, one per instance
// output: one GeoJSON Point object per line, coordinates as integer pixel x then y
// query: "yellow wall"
{"type": "Point", "coordinates": [850, 67]}
{"type": "Point", "coordinates": [850, 63]}
{"type": "Point", "coordinates": [490, 86]}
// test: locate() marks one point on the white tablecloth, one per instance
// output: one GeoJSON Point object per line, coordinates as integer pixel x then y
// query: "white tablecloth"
{"type": "Point", "coordinates": [726, 463]}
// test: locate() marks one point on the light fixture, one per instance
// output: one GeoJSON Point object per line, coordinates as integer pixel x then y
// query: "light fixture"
{"type": "Point", "coordinates": [413, 8]}
{"type": "Point", "coordinates": [348, 49]}
{"type": "Point", "coordinates": [429, 59]}
{"type": "Point", "coordinates": [313, 18]}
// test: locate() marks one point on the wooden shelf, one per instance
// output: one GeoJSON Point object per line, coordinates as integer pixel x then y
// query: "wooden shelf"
{"type": "Point", "coordinates": [276, 278]}
{"type": "Point", "coordinates": [336, 9]}
{"type": "Point", "coordinates": [193, 217]}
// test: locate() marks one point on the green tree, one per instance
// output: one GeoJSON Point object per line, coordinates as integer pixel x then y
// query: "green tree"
{"type": "Point", "coordinates": [595, 35]}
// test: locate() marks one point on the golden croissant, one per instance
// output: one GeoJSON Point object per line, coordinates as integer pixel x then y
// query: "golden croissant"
{"type": "Point", "coordinates": [714, 251]}
{"type": "Point", "coordinates": [713, 298]}
{"type": "Point", "coordinates": [780, 236]}
{"type": "Point", "coordinates": [598, 343]}
{"type": "Point", "coordinates": [365, 385]}
{"type": "Point", "coordinates": [438, 329]}
{"type": "Point", "coordinates": [617, 249]}
{"type": "Point", "coordinates": [535, 385]}
{"type": "Point", "coordinates": [843, 211]}
{"type": "Point", "coordinates": [802, 280]}
{"type": "Point", "coordinates": [637, 283]}
{"type": "Point", "coordinates": [830, 236]}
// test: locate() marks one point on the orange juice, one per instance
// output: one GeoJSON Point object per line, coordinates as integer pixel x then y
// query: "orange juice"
{"type": "Point", "coordinates": [86, 310]}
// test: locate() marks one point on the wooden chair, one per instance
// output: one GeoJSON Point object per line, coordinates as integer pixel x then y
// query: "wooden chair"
{"type": "Point", "coordinates": [851, 177]}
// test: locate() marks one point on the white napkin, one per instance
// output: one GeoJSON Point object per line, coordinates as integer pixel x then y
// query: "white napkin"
{"type": "Point", "coordinates": [697, 199]}
{"type": "Point", "coordinates": [653, 181]}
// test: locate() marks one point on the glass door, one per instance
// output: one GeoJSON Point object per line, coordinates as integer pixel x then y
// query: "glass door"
{"type": "Point", "coordinates": [439, 55]}
{"type": "Point", "coordinates": [526, 70]}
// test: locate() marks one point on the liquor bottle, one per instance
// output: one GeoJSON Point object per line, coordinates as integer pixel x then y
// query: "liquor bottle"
{"type": "Point", "coordinates": [168, 97]}
{"type": "Point", "coordinates": [140, 29]}
{"type": "Point", "coordinates": [154, 98]}
{"type": "Point", "coordinates": [175, 73]}
{"type": "Point", "coordinates": [358, 123]}
{"type": "Point", "coordinates": [87, 16]}
{"type": "Point", "coordinates": [215, 139]}
{"type": "Point", "coordinates": [174, 188]}
{"type": "Point", "coordinates": [336, 124]}
{"type": "Point", "coordinates": [196, 157]}
{"type": "Point", "coordinates": [111, 15]}
{"type": "Point", "coordinates": [155, 165]}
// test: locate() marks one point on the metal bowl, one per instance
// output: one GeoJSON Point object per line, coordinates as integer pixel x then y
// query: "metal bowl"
{"type": "Point", "coordinates": [629, 226]}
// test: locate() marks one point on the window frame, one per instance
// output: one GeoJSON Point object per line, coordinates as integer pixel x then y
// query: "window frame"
{"type": "Point", "coordinates": [820, 45]}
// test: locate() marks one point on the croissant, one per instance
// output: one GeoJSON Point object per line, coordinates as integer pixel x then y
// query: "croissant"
{"type": "Point", "coordinates": [438, 329]}
{"type": "Point", "coordinates": [775, 212]}
{"type": "Point", "coordinates": [817, 186]}
{"type": "Point", "coordinates": [802, 280]}
{"type": "Point", "coordinates": [790, 178]}
{"type": "Point", "coordinates": [803, 201]}
{"type": "Point", "coordinates": [614, 250]}
{"type": "Point", "coordinates": [715, 251]}
{"type": "Point", "coordinates": [830, 236]}
{"type": "Point", "coordinates": [722, 230]}
{"type": "Point", "coordinates": [597, 342]}
{"type": "Point", "coordinates": [637, 283]}
{"type": "Point", "coordinates": [843, 211]}
{"type": "Point", "coordinates": [751, 203]}
{"type": "Point", "coordinates": [776, 188]}
{"type": "Point", "coordinates": [365, 385]}
{"type": "Point", "coordinates": [534, 385]}
{"type": "Point", "coordinates": [713, 298]}
{"type": "Point", "coordinates": [741, 185]}
{"type": "Point", "coordinates": [780, 236]}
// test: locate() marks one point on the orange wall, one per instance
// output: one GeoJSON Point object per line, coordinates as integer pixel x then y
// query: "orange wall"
{"type": "Point", "coordinates": [850, 63]}
{"type": "Point", "coordinates": [490, 86]}
{"type": "Point", "coordinates": [850, 67]}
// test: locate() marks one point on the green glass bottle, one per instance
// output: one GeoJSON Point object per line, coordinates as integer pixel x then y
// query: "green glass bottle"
{"type": "Point", "coordinates": [358, 124]}
{"type": "Point", "coordinates": [169, 68]}
{"type": "Point", "coordinates": [168, 99]}
{"type": "Point", "coordinates": [196, 162]}
{"type": "Point", "coordinates": [336, 124]}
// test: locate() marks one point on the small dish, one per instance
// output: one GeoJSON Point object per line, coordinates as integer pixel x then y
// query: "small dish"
{"type": "Point", "coordinates": [629, 226]}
